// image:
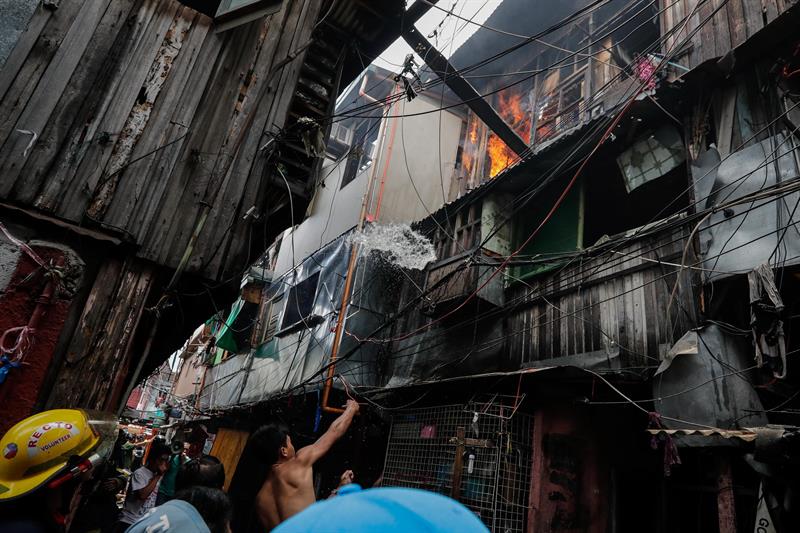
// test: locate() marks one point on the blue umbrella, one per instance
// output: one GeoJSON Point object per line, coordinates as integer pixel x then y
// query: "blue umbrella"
{"type": "Point", "coordinates": [386, 510]}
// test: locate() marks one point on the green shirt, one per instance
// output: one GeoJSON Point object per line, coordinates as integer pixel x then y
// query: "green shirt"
{"type": "Point", "coordinates": [167, 485]}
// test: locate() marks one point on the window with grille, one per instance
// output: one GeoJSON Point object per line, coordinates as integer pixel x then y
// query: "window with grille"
{"type": "Point", "coordinates": [268, 321]}
{"type": "Point", "coordinates": [463, 232]}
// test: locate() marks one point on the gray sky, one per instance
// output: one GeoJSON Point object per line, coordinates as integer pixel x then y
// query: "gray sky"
{"type": "Point", "coordinates": [449, 36]}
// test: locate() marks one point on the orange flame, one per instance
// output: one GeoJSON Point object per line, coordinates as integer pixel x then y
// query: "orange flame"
{"type": "Point", "coordinates": [513, 112]}
{"type": "Point", "coordinates": [467, 160]}
{"type": "Point", "coordinates": [500, 155]}
{"type": "Point", "coordinates": [512, 109]}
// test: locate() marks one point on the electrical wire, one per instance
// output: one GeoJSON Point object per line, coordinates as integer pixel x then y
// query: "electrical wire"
{"type": "Point", "coordinates": [506, 51]}
{"type": "Point", "coordinates": [555, 206]}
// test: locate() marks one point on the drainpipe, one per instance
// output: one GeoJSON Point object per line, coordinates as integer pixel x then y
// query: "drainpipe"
{"type": "Point", "coordinates": [348, 283]}
{"type": "Point", "coordinates": [389, 148]}
{"type": "Point", "coordinates": [44, 300]}
{"type": "Point", "coordinates": [42, 303]}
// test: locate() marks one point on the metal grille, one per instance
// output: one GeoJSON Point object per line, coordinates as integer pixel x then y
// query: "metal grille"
{"type": "Point", "coordinates": [494, 442]}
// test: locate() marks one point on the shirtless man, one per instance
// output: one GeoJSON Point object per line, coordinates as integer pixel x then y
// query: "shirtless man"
{"type": "Point", "coordinates": [289, 487]}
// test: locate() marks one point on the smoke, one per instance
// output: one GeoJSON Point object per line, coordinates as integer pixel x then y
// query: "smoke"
{"type": "Point", "coordinates": [396, 244]}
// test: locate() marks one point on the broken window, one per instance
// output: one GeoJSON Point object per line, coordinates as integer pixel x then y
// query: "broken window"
{"type": "Point", "coordinates": [234, 335]}
{"type": "Point", "coordinates": [299, 304]}
{"type": "Point", "coordinates": [612, 208]}
{"type": "Point", "coordinates": [650, 157]}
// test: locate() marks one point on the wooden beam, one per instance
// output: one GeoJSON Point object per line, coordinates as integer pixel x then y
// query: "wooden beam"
{"type": "Point", "coordinates": [458, 464]}
{"type": "Point", "coordinates": [726, 508]}
{"type": "Point", "coordinates": [466, 92]}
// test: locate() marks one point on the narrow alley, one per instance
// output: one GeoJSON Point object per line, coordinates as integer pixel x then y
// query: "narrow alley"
{"type": "Point", "coordinates": [341, 265]}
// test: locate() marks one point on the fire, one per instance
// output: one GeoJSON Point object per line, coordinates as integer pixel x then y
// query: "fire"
{"type": "Point", "coordinates": [473, 131]}
{"type": "Point", "coordinates": [512, 110]}
{"type": "Point", "coordinates": [472, 135]}
{"type": "Point", "coordinates": [500, 155]}
{"type": "Point", "coordinates": [515, 113]}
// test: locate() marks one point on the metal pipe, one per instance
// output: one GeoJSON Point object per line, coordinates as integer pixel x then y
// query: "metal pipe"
{"type": "Point", "coordinates": [385, 166]}
{"type": "Point", "coordinates": [44, 300]}
{"type": "Point", "coordinates": [326, 391]}
{"type": "Point", "coordinates": [337, 336]}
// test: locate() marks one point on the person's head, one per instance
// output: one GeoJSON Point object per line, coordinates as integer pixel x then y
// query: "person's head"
{"type": "Point", "coordinates": [196, 441]}
{"type": "Point", "coordinates": [212, 504]}
{"type": "Point", "coordinates": [273, 443]}
{"type": "Point", "coordinates": [159, 455]}
{"type": "Point", "coordinates": [206, 471]}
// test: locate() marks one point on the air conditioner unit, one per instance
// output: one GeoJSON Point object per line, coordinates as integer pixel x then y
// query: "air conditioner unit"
{"type": "Point", "coordinates": [341, 134]}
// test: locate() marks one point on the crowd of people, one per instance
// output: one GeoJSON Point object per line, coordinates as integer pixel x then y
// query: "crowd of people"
{"type": "Point", "coordinates": [176, 483]}
{"type": "Point", "coordinates": [173, 486]}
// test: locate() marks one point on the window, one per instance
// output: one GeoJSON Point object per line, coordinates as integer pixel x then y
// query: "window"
{"type": "Point", "coordinates": [463, 232]}
{"type": "Point", "coordinates": [264, 341]}
{"type": "Point", "coordinates": [299, 304]}
{"type": "Point", "coordinates": [651, 157]}
{"type": "Point", "coordinates": [269, 320]}
{"type": "Point", "coordinates": [232, 13]}
{"type": "Point", "coordinates": [359, 159]}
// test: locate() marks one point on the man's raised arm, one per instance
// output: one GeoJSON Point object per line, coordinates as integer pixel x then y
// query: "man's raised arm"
{"type": "Point", "coordinates": [310, 454]}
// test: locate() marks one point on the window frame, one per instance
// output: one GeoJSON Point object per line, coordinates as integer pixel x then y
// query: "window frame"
{"type": "Point", "coordinates": [305, 320]}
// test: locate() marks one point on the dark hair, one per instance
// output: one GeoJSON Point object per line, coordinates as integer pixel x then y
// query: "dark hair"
{"type": "Point", "coordinates": [212, 504]}
{"type": "Point", "coordinates": [207, 471]}
{"type": "Point", "coordinates": [267, 442]}
{"type": "Point", "coordinates": [157, 449]}
{"type": "Point", "coordinates": [256, 460]}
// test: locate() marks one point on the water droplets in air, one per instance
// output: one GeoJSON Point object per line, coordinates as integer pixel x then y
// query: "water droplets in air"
{"type": "Point", "coordinates": [396, 244]}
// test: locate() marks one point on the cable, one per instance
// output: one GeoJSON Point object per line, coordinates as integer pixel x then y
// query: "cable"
{"type": "Point", "coordinates": [517, 46]}
{"type": "Point", "coordinates": [612, 297]}
{"type": "Point", "coordinates": [555, 206]}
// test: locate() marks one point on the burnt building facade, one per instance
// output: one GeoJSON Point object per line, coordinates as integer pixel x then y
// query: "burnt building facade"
{"type": "Point", "coordinates": [600, 337]}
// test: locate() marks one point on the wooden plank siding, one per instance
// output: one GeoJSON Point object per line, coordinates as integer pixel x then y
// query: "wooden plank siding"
{"type": "Point", "coordinates": [97, 357]}
{"type": "Point", "coordinates": [228, 446]}
{"type": "Point", "coordinates": [137, 105]}
{"type": "Point", "coordinates": [714, 27]}
{"type": "Point", "coordinates": [614, 303]}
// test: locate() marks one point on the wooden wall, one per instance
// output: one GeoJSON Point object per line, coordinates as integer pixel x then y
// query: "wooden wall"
{"type": "Point", "coordinates": [228, 446]}
{"type": "Point", "coordinates": [730, 24]}
{"type": "Point", "coordinates": [134, 103]}
{"type": "Point", "coordinates": [612, 303]}
{"type": "Point", "coordinates": [97, 359]}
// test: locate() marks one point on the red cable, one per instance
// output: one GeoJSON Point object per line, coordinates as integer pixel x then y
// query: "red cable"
{"type": "Point", "coordinates": [549, 215]}
{"type": "Point", "coordinates": [508, 259]}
